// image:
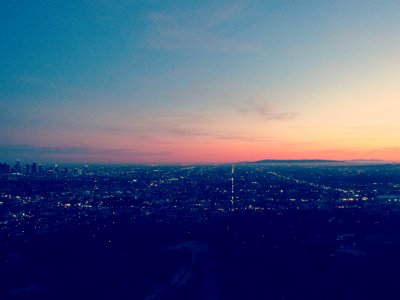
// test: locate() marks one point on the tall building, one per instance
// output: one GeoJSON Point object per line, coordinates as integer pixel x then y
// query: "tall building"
{"type": "Point", "coordinates": [34, 168]}
{"type": "Point", "coordinates": [4, 168]}
{"type": "Point", "coordinates": [17, 166]}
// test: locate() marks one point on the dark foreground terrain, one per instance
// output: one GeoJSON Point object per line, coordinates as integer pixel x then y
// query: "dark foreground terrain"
{"type": "Point", "coordinates": [175, 233]}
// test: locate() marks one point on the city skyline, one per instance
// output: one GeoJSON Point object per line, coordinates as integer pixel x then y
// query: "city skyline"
{"type": "Point", "coordinates": [205, 82]}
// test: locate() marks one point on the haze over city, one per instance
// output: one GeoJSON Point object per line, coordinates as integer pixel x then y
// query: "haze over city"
{"type": "Point", "coordinates": [195, 82]}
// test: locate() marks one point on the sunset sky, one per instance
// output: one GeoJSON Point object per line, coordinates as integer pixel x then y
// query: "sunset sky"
{"type": "Point", "coordinates": [199, 81]}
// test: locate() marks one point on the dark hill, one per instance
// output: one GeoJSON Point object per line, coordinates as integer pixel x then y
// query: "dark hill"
{"type": "Point", "coordinates": [300, 161]}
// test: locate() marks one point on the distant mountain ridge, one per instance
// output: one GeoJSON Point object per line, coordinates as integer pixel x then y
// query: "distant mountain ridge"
{"type": "Point", "coordinates": [298, 161]}
{"type": "Point", "coordinates": [318, 161]}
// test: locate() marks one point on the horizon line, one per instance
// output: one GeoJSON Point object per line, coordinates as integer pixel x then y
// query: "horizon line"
{"type": "Point", "coordinates": [266, 161]}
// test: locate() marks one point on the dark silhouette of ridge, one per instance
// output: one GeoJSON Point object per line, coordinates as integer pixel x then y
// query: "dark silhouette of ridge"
{"type": "Point", "coordinates": [317, 161]}
{"type": "Point", "coordinates": [298, 161]}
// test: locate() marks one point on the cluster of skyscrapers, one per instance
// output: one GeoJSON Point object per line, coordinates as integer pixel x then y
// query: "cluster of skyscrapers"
{"type": "Point", "coordinates": [5, 168]}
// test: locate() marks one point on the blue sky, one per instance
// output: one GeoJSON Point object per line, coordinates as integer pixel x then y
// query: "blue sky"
{"type": "Point", "coordinates": [198, 81]}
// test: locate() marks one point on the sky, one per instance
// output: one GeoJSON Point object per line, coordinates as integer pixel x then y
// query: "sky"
{"type": "Point", "coordinates": [199, 81]}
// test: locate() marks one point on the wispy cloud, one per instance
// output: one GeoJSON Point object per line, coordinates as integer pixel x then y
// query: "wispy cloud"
{"type": "Point", "coordinates": [27, 151]}
{"type": "Point", "coordinates": [186, 132]}
{"type": "Point", "coordinates": [216, 135]}
{"type": "Point", "coordinates": [158, 125]}
{"type": "Point", "coordinates": [264, 111]}
{"type": "Point", "coordinates": [390, 150]}
{"type": "Point", "coordinates": [186, 118]}
{"type": "Point", "coordinates": [200, 29]}
{"type": "Point", "coordinates": [179, 126]}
